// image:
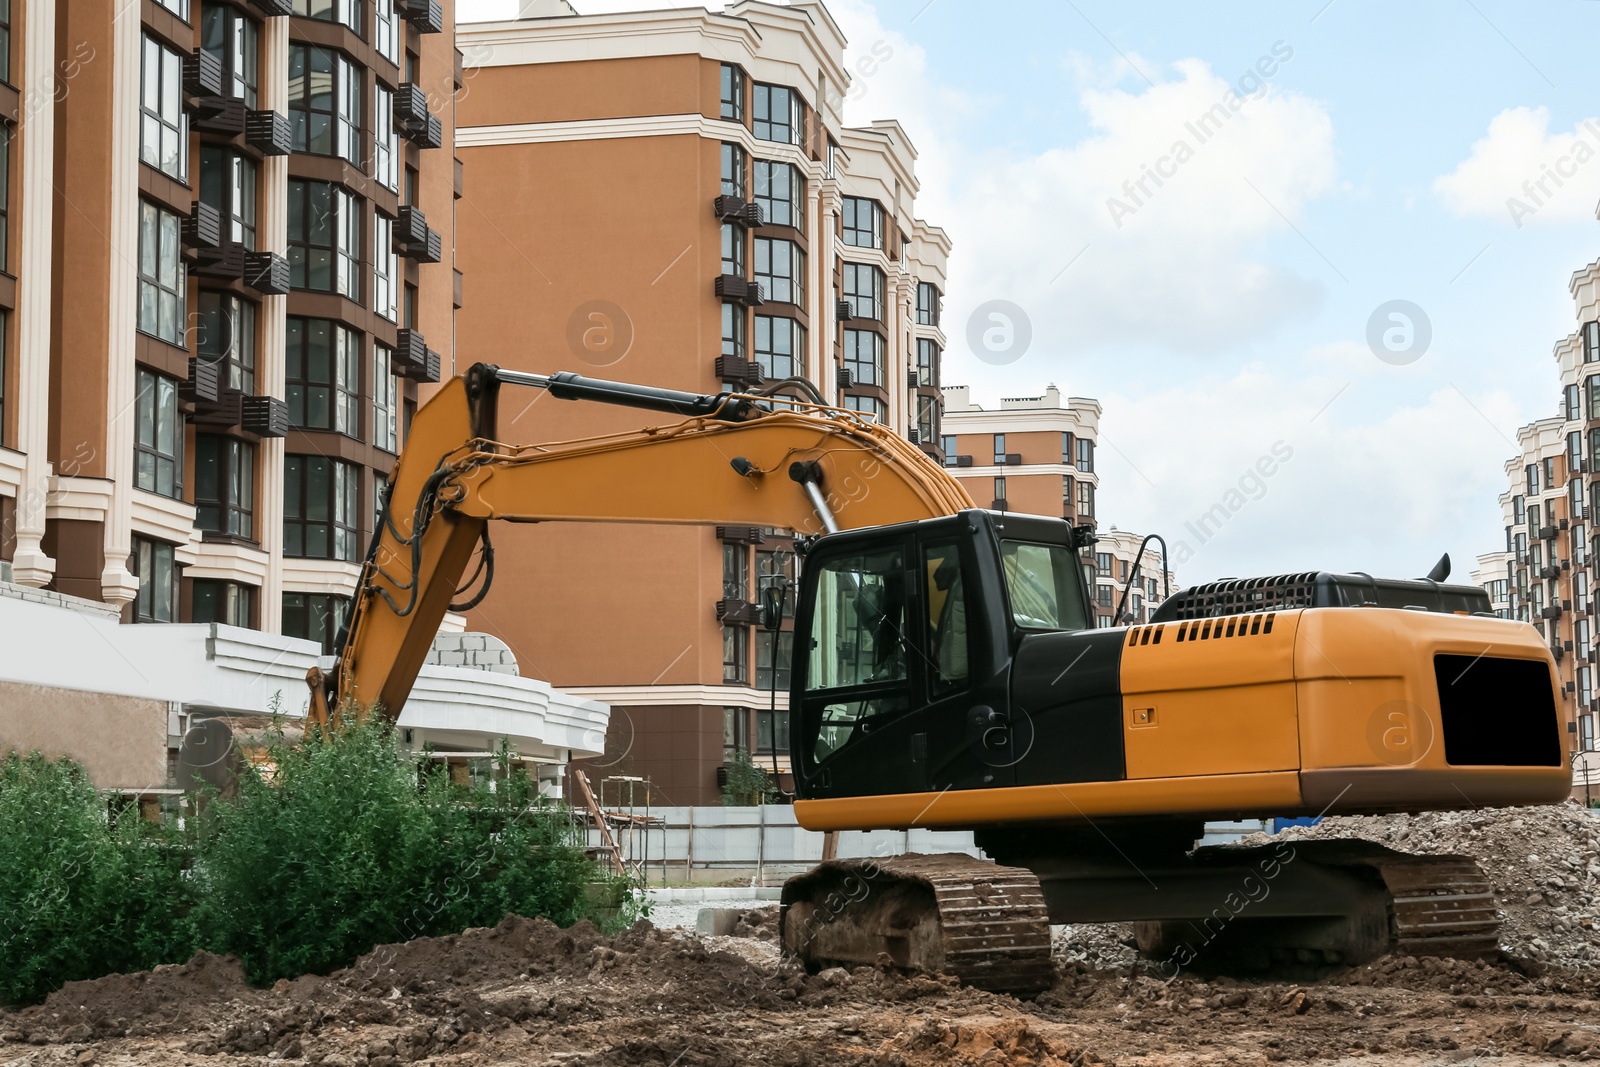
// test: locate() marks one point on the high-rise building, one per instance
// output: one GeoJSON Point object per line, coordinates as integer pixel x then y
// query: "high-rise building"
{"type": "Point", "coordinates": [672, 197]}
{"type": "Point", "coordinates": [1036, 454]}
{"type": "Point", "coordinates": [231, 270]}
{"type": "Point", "coordinates": [1545, 574]}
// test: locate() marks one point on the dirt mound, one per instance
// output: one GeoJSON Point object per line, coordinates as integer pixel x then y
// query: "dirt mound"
{"type": "Point", "coordinates": [1544, 863]}
{"type": "Point", "coordinates": [175, 996]}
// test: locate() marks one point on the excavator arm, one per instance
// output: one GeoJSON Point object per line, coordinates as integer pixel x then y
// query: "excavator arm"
{"type": "Point", "coordinates": [727, 459]}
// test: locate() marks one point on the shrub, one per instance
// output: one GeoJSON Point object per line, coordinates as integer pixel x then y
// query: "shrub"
{"type": "Point", "coordinates": [81, 894]}
{"type": "Point", "coordinates": [747, 783]}
{"type": "Point", "coordinates": [347, 843]}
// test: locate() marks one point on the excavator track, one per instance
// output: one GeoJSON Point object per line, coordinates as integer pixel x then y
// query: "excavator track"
{"type": "Point", "coordinates": [951, 914]}
{"type": "Point", "coordinates": [1439, 905]}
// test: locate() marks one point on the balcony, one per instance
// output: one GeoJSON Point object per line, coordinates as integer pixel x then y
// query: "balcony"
{"type": "Point", "coordinates": [412, 119]}
{"type": "Point", "coordinates": [264, 416]}
{"type": "Point", "coordinates": [202, 74]}
{"type": "Point", "coordinates": [741, 371]}
{"type": "Point", "coordinates": [414, 240]}
{"type": "Point", "coordinates": [410, 354]}
{"type": "Point", "coordinates": [267, 273]}
{"type": "Point", "coordinates": [204, 382]}
{"type": "Point", "coordinates": [738, 290]}
{"type": "Point", "coordinates": [203, 226]}
{"type": "Point", "coordinates": [427, 16]}
{"type": "Point", "coordinates": [225, 260]}
{"type": "Point", "coordinates": [221, 115]}
{"type": "Point", "coordinates": [269, 133]}
{"type": "Point", "coordinates": [738, 613]}
{"type": "Point", "coordinates": [742, 535]}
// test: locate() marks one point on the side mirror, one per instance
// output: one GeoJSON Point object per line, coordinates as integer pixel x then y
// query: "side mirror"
{"type": "Point", "coordinates": [772, 598]}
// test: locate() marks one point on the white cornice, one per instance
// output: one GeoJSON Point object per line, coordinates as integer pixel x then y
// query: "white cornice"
{"type": "Point", "coordinates": [77, 497]}
{"type": "Point", "coordinates": [1057, 470]}
{"type": "Point", "coordinates": [13, 468]}
{"type": "Point", "coordinates": [229, 563]}
{"type": "Point", "coordinates": [320, 576]}
{"type": "Point", "coordinates": [732, 696]}
{"type": "Point", "coordinates": [637, 126]}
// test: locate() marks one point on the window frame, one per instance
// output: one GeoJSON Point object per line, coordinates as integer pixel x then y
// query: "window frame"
{"type": "Point", "coordinates": [731, 83]}
{"type": "Point", "coordinates": [163, 275]}
{"type": "Point", "coordinates": [385, 400]}
{"type": "Point", "coordinates": [854, 362]}
{"type": "Point", "coordinates": [763, 114]}
{"type": "Point", "coordinates": [239, 50]}
{"type": "Point", "coordinates": [385, 269]}
{"type": "Point", "coordinates": [339, 392]}
{"type": "Point", "coordinates": [341, 256]}
{"type": "Point", "coordinates": [778, 288]}
{"type": "Point", "coordinates": [341, 528]}
{"type": "Point", "coordinates": [235, 318]}
{"type": "Point", "coordinates": [153, 561]}
{"type": "Point", "coordinates": [156, 416]}
{"type": "Point", "coordinates": [866, 302]}
{"type": "Point", "coordinates": [734, 169]}
{"type": "Point", "coordinates": [235, 193]}
{"type": "Point", "coordinates": [768, 357]}
{"type": "Point", "coordinates": [850, 222]}
{"type": "Point", "coordinates": [385, 138]}
{"type": "Point", "coordinates": [237, 598]}
{"type": "Point", "coordinates": [325, 606]}
{"type": "Point", "coordinates": [928, 304]}
{"type": "Point", "coordinates": [346, 13]}
{"type": "Point", "coordinates": [233, 496]}
{"type": "Point", "coordinates": [763, 173]}
{"type": "Point", "coordinates": [338, 135]}
{"type": "Point", "coordinates": [161, 110]}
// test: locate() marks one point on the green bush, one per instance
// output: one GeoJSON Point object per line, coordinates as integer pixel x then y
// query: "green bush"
{"type": "Point", "coordinates": [348, 843]}
{"type": "Point", "coordinates": [747, 782]}
{"type": "Point", "coordinates": [81, 894]}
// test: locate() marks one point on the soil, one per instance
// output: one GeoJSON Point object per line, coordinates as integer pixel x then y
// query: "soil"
{"type": "Point", "coordinates": [526, 992]}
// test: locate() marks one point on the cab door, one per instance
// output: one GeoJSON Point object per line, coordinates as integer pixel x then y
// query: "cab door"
{"type": "Point", "coordinates": [860, 716]}
{"type": "Point", "coordinates": [972, 740]}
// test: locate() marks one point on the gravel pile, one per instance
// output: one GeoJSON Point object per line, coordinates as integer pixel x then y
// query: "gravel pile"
{"type": "Point", "coordinates": [1544, 863]}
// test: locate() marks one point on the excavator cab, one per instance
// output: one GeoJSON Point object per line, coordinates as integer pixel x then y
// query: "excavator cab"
{"type": "Point", "coordinates": [903, 677]}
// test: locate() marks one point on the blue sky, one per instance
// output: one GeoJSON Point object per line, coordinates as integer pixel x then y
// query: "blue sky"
{"type": "Point", "coordinates": [1228, 312]}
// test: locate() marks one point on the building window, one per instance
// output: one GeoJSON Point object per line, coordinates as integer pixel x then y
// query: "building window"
{"type": "Point", "coordinates": [385, 268]}
{"type": "Point", "coordinates": [228, 338]}
{"type": "Point", "coordinates": [324, 238]}
{"type": "Point", "coordinates": [324, 375]}
{"type": "Point", "coordinates": [179, 8]}
{"type": "Point", "coordinates": [1574, 451]}
{"type": "Point", "coordinates": [224, 485]}
{"type": "Point", "coordinates": [1086, 455]}
{"type": "Point", "coordinates": [732, 92]}
{"type": "Point", "coordinates": [778, 191]}
{"type": "Point", "coordinates": [927, 419]}
{"type": "Point", "coordinates": [764, 681]}
{"type": "Point", "coordinates": [1000, 489]}
{"type": "Point", "coordinates": [6, 134]}
{"type": "Point", "coordinates": [947, 445]}
{"type": "Point", "coordinates": [1531, 476]}
{"type": "Point", "coordinates": [5, 41]}
{"type": "Point", "coordinates": [224, 602]}
{"type": "Point", "coordinates": [163, 127]}
{"type": "Point", "coordinates": [732, 170]}
{"type": "Point", "coordinates": [1549, 463]}
{"type": "Point", "coordinates": [163, 283]}
{"type": "Point", "coordinates": [927, 304]}
{"type": "Point", "coordinates": [234, 41]}
{"type": "Point", "coordinates": [735, 572]}
{"type": "Point", "coordinates": [777, 114]}
{"type": "Point", "coordinates": [386, 31]}
{"type": "Point", "coordinates": [319, 508]}
{"type": "Point", "coordinates": [1591, 342]}
{"type": "Point", "coordinates": [1102, 563]}
{"type": "Point", "coordinates": [732, 249]}
{"type": "Point", "coordinates": [385, 400]}
{"type": "Point", "coordinates": [228, 183]}
{"type": "Point", "coordinates": [154, 564]}
{"type": "Point", "coordinates": [5, 348]}
{"type": "Point", "coordinates": [1575, 497]}
{"type": "Point", "coordinates": [1591, 386]}
{"type": "Point", "coordinates": [1580, 548]}
{"type": "Point", "coordinates": [315, 617]}
{"type": "Point", "coordinates": [1570, 402]}
{"type": "Point", "coordinates": [999, 450]}
{"type": "Point", "coordinates": [780, 347]}
{"type": "Point", "coordinates": [863, 222]}
{"type": "Point", "coordinates": [927, 362]}
{"type": "Point", "coordinates": [863, 357]}
{"type": "Point", "coordinates": [346, 12]}
{"type": "Point", "coordinates": [385, 142]}
{"type": "Point", "coordinates": [780, 268]}
{"type": "Point", "coordinates": [863, 289]}
{"type": "Point", "coordinates": [158, 436]}
{"type": "Point", "coordinates": [1068, 494]}
{"type": "Point", "coordinates": [733, 331]}
{"type": "Point", "coordinates": [734, 654]}
{"type": "Point", "coordinates": [1085, 500]}
{"type": "Point", "coordinates": [325, 102]}
{"type": "Point", "coordinates": [869, 406]}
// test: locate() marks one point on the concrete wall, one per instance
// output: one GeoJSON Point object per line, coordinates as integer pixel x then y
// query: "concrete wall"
{"type": "Point", "coordinates": [121, 740]}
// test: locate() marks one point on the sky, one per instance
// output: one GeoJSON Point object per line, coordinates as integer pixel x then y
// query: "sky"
{"type": "Point", "coordinates": [1312, 258]}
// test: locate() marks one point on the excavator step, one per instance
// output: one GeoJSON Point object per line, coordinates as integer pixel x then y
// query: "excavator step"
{"type": "Point", "coordinates": [987, 925]}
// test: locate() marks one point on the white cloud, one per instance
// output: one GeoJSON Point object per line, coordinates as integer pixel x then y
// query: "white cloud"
{"type": "Point", "coordinates": [1351, 494]}
{"type": "Point", "coordinates": [1521, 172]}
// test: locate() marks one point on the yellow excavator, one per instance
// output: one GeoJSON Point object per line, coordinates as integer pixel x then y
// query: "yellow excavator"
{"type": "Point", "coordinates": [947, 674]}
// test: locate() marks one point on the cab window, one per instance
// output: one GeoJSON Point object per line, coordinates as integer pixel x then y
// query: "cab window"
{"type": "Point", "coordinates": [1042, 582]}
{"type": "Point", "coordinates": [858, 641]}
{"type": "Point", "coordinates": [946, 600]}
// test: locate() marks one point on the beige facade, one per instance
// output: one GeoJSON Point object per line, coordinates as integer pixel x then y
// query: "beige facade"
{"type": "Point", "coordinates": [1036, 454]}
{"type": "Point", "coordinates": [671, 197]}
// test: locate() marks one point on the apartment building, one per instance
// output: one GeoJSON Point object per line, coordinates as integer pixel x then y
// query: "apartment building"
{"type": "Point", "coordinates": [672, 197]}
{"type": "Point", "coordinates": [231, 273]}
{"type": "Point", "coordinates": [1547, 564]}
{"type": "Point", "coordinates": [1036, 454]}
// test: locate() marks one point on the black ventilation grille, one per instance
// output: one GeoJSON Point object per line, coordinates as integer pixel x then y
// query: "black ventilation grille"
{"type": "Point", "coordinates": [1242, 596]}
{"type": "Point", "coordinates": [1497, 712]}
